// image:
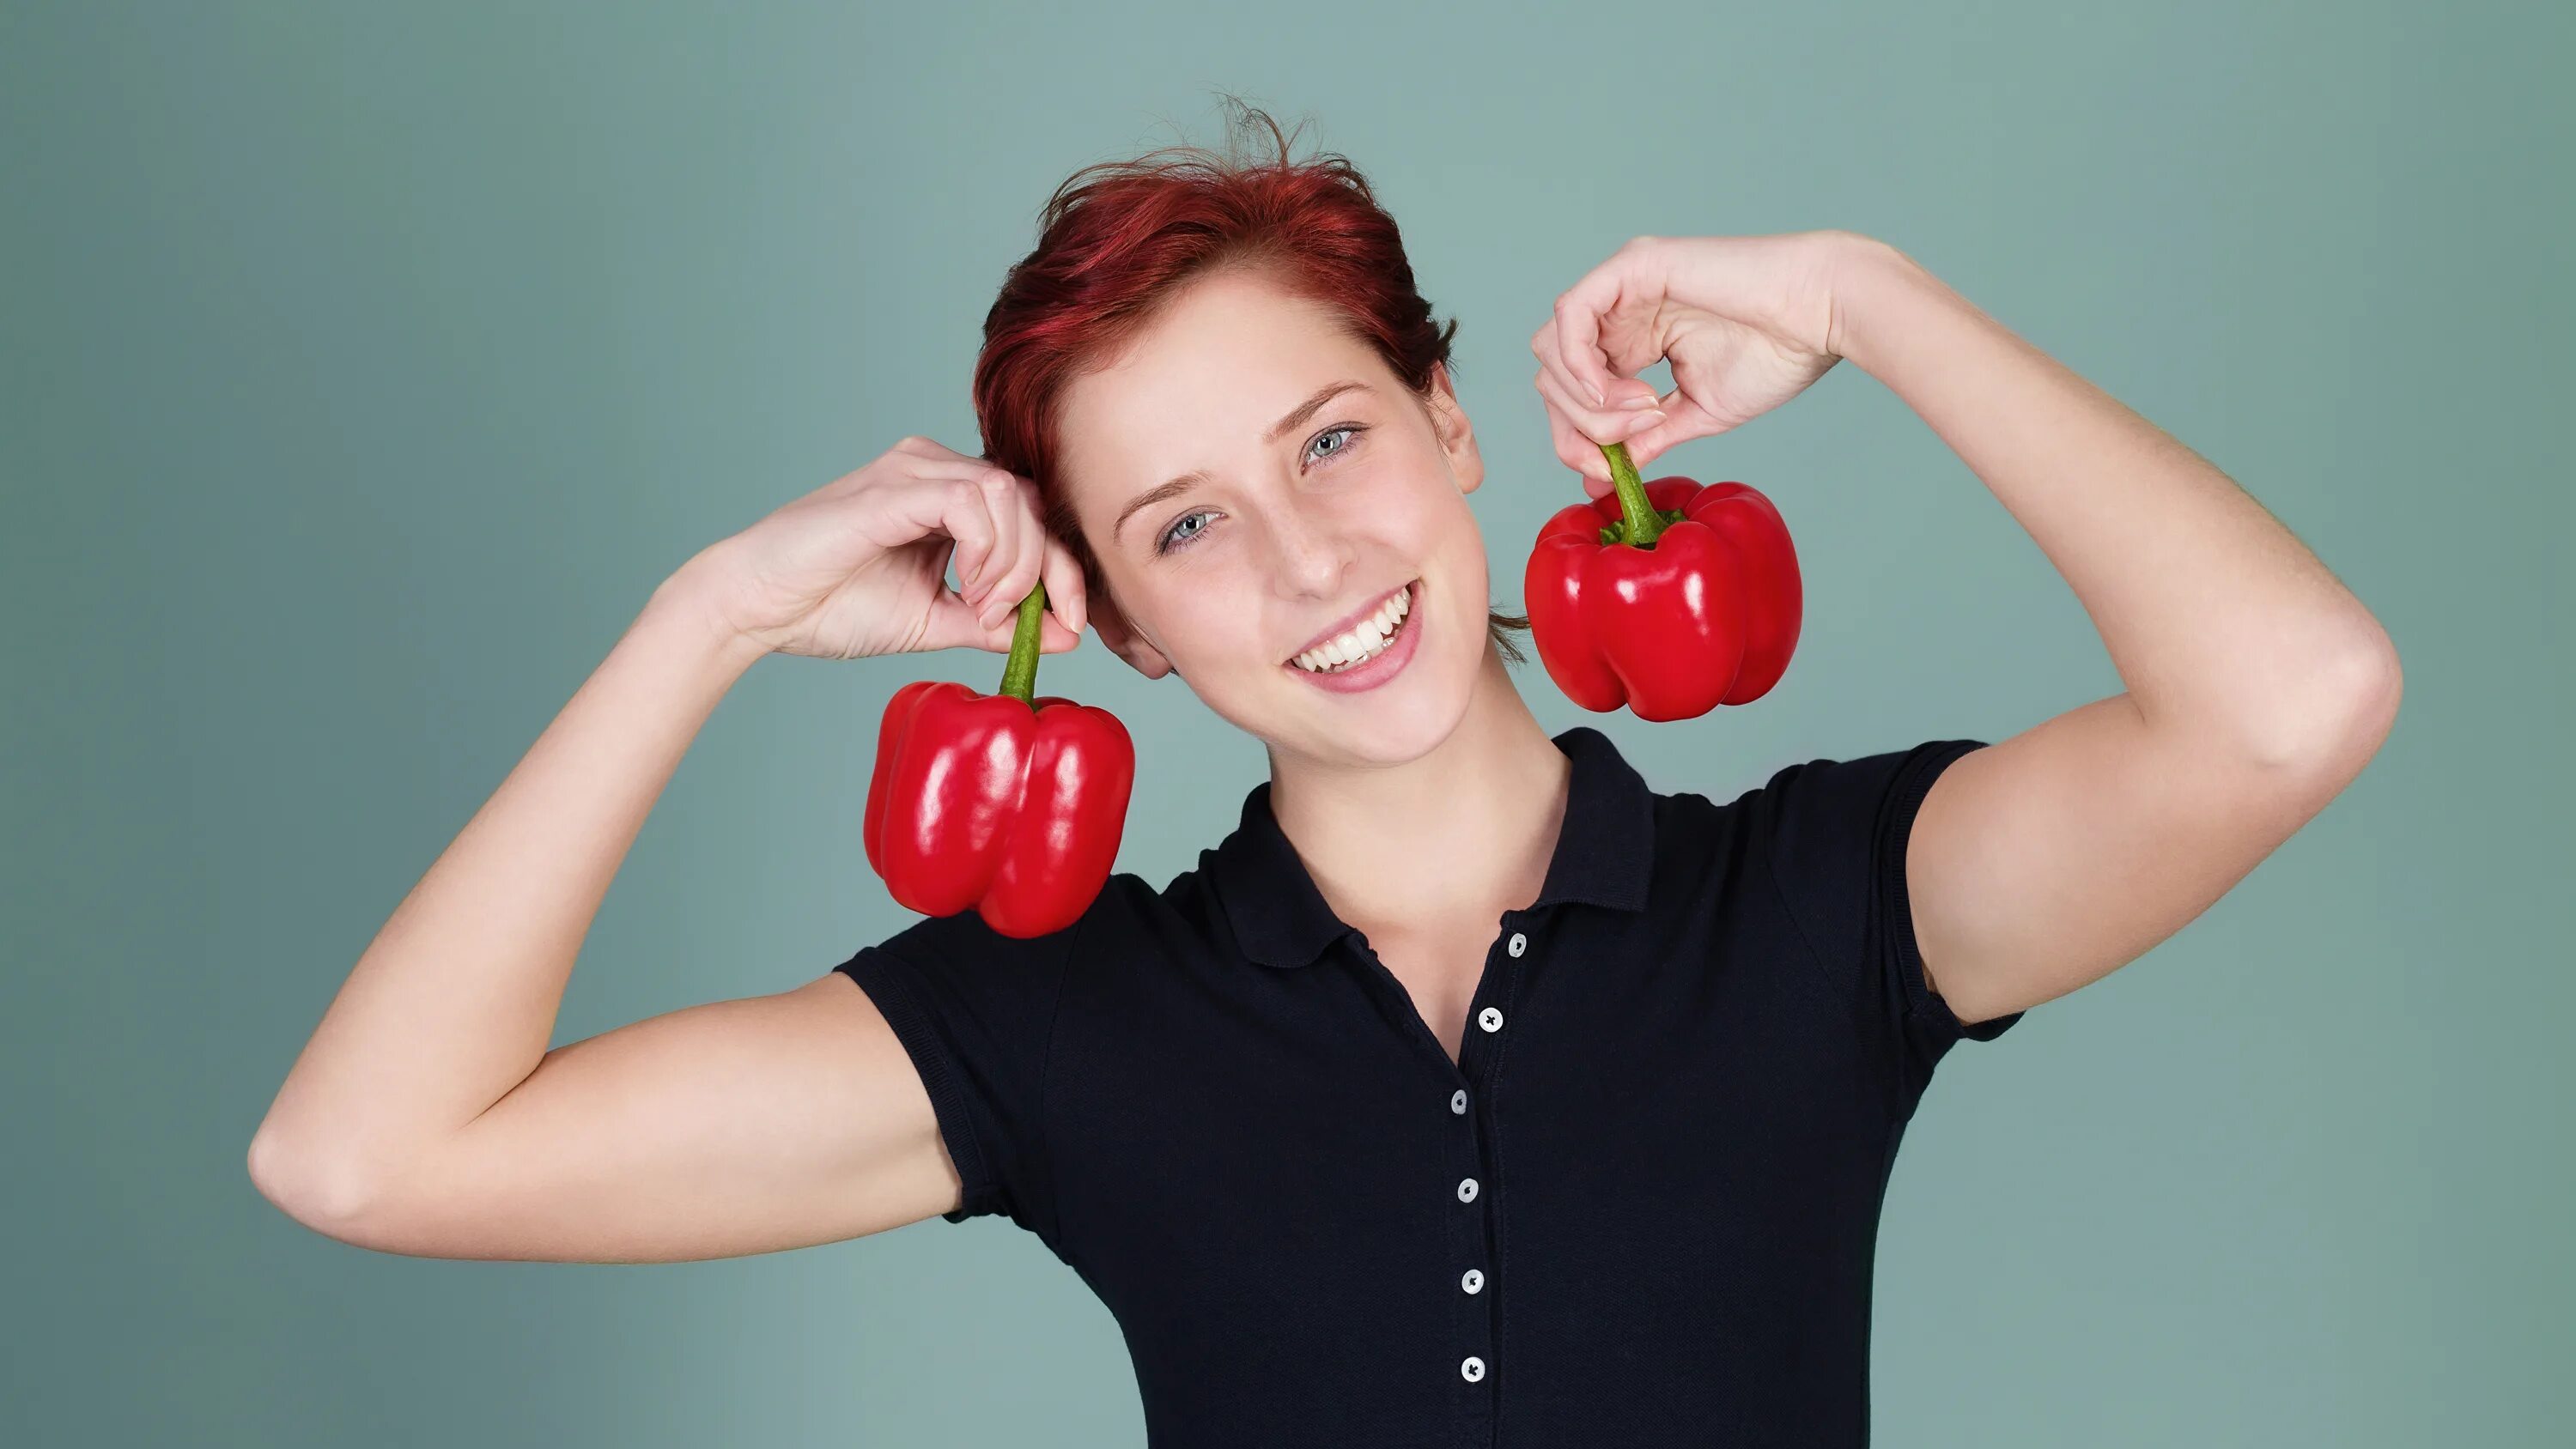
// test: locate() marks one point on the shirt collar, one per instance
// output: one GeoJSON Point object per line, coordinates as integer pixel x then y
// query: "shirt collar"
{"type": "Point", "coordinates": [1604, 857]}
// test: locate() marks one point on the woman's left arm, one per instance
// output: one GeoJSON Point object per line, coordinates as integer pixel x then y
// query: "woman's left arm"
{"type": "Point", "coordinates": [2258, 686]}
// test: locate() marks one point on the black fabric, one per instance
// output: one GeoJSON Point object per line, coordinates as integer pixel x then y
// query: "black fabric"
{"type": "Point", "coordinates": [1217, 1106]}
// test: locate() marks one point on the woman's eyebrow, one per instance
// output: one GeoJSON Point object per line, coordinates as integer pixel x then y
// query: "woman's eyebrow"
{"type": "Point", "coordinates": [1298, 415]}
{"type": "Point", "coordinates": [1295, 419]}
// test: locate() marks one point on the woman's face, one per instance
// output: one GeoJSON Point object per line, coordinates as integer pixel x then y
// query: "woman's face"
{"type": "Point", "coordinates": [1289, 517]}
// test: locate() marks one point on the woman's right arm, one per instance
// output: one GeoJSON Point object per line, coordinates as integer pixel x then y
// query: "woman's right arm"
{"type": "Point", "coordinates": [426, 1115]}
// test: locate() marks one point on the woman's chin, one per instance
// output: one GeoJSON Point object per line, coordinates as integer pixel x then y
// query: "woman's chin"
{"type": "Point", "coordinates": [1390, 725]}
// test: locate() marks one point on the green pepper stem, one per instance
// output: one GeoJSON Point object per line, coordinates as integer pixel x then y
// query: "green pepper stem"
{"type": "Point", "coordinates": [1641, 523]}
{"type": "Point", "coordinates": [1020, 671]}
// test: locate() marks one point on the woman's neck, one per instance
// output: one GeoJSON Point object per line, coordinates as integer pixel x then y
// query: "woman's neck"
{"type": "Point", "coordinates": [1454, 838]}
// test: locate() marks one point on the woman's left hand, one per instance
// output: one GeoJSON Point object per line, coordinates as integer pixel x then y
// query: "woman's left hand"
{"type": "Point", "coordinates": [1747, 321]}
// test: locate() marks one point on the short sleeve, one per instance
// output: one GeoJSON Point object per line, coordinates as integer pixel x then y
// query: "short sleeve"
{"type": "Point", "coordinates": [975, 1010]}
{"type": "Point", "coordinates": [1835, 833]}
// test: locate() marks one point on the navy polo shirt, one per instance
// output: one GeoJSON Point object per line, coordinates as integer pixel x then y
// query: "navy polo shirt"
{"type": "Point", "coordinates": [1640, 1210]}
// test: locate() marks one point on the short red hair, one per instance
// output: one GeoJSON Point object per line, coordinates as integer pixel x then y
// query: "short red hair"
{"type": "Point", "coordinates": [1118, 239]}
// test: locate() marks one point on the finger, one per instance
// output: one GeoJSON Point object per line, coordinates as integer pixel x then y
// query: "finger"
{"type": "Point", "coordinates": [1028, 562]}
{"type": "Point", "coordinates": [1574, 346]}
{"type": "Point", "coordinates": [1579, 449]}
{"type": "Point", "coordinates": [912, 456]}
{"type": "Point", "coordinates": [984, 590]}
{"type": "Point", "coordinates": [1576, 452]}
{"type": "Point", "coordinates": [1012, 583]}
{"type": "Point", "coordinates": [1064, 586]}
{"type": "Point", "coordinates": [1051, 563]}
{"type": "Point", "coordinates": [952, 625]}
{"type": "Point", "coordinates": [1593, 425]}
{"type": "Point", "coordinates": [907, 487]}
{"type": "Point", "coordinates": [931, 450]}
{"type": "Point", "coordinates": [1628, 395]}
{"type": "Point", "coordinates": [1053, 637]}
{"type": "Point", "coordinates": [1647, 444]}
{"type": "Point", "coordinates": [1573, 336]}
{"type": "Point", "coordinates": [925, 505]}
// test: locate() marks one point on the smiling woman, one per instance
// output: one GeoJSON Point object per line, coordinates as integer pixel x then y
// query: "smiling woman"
{"type": "Point", "coordinates": [1263, 1108]}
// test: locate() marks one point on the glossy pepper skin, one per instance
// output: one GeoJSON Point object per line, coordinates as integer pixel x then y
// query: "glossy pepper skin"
{"type": "Point", "coordinates": [1011, 803]}
{"type": "Point", "coordinates": [1668, 597]}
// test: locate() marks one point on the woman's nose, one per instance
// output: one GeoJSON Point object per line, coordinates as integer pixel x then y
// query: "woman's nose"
{"type": "Point", "coordinates": [1311, 554]}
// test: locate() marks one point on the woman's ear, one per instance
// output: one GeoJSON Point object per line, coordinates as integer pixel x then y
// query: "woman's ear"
{"type": "Point", "coordinates": [1122, 637]}
{"type": "Point", "coordinates": [1457, 436]}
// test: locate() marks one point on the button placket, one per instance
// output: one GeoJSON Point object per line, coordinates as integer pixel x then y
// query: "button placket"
{"type": "Point", "coordinates": [1476, 1230]}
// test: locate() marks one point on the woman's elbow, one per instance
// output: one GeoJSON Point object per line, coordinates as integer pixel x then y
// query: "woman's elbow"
{"type": "Point", "coordinates": [324, 1190]}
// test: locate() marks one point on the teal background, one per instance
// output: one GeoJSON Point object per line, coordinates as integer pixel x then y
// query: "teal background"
{"type": "Point", "coordinates": [364, 372]}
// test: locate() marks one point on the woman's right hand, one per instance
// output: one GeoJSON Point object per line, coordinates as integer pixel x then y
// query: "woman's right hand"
{"type": "Point", "coordinates": [859, 566]}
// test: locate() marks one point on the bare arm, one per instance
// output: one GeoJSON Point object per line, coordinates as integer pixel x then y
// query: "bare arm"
{"type": "Point", "coordinates": [2258, 685]}
{"type": "Point", "coordinates": [426, 1115]}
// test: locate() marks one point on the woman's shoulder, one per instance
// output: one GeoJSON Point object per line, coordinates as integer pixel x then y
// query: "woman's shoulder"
{"type": "Point", "coordinates": [1130, 917]}
{"type": "Point", "coordinates": [1815, 813]}
{"type": "Point", "coordinates": [1808, 782]}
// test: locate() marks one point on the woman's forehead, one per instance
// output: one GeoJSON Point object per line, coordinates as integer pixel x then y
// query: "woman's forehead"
{"type": "Point", "coordinates": [1202, 386]}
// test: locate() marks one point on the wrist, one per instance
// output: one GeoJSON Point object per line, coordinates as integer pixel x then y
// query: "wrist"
{"type": "Point", "coordinates": [686, 606]}
{"type": "Point", "coordinates": [1874, 287]}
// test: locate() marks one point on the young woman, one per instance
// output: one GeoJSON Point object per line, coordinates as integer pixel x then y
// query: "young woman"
{"type": "Point", "coordinates": [1471, 1090]}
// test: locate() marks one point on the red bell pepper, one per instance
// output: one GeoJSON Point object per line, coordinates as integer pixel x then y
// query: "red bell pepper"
{"type": "Point", "coordinates": [1668, 597]}
{"type": "Point", "coordinates": [1011, 803]}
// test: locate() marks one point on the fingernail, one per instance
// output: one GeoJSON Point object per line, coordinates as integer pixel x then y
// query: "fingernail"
{"type": "Point", "coordinates": [1641, 400]}
{"type": "Point", "coordinates": [1639, 422]}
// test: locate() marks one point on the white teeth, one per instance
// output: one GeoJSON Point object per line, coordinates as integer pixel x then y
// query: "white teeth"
{"type": "Point", "coordinates": [1367, 638]}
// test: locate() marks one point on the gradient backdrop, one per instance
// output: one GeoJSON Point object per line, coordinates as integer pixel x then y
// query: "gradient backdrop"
{"type": "Point", "coordinates": [365, 370]}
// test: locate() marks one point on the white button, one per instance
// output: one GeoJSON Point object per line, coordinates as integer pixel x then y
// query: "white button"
{"type": "Point", "coordinates": [1490, 1019]}
{"type": "Point", "coordinates": [1520, 943]}
{"type": "Point", "coordinates": [1474, 1281]}
{"type": "Point", "coordinates": [1466, 1189]}
{"type": "Point", "coordinates": [1458, 1101]}
{"type": "Point", "coordinates": [1473, 1369]}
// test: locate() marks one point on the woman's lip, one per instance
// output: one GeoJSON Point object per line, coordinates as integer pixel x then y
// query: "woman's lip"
{"type": "Point", "coordinates": [1347, 624]}
{"type": "Point", "coordinates": [1385, 665]}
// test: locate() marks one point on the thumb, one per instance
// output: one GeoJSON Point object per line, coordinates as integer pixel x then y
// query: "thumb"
{"type": "Point", "coordinates": [1682, 422]}
{"type": "Point", "coordinates": [953, 625]}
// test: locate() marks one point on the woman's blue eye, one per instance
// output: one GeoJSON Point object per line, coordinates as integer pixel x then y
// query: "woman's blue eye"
{"type": "Point", "coordinates": [1175, 537]}
{"type": "Point", "coordinates": [1330, 432]}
